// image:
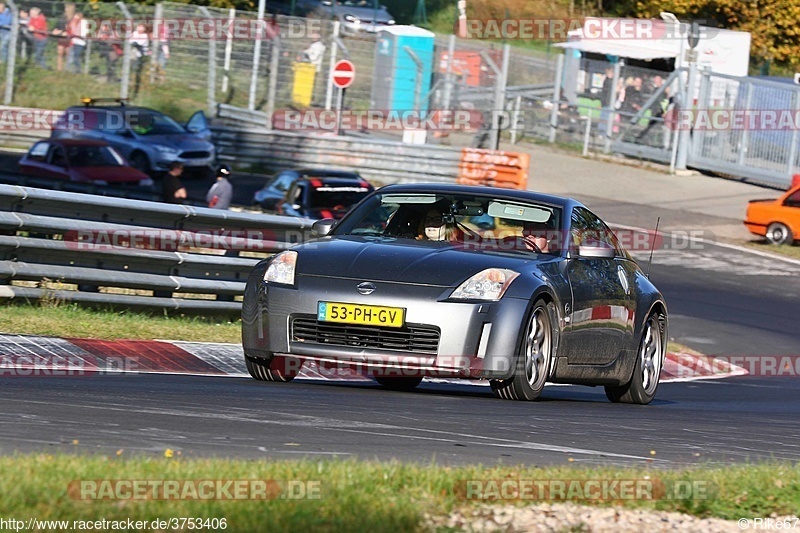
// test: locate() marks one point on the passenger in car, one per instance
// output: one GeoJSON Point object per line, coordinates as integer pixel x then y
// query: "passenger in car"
{"type": "Point", "coordinates": [435, 227]}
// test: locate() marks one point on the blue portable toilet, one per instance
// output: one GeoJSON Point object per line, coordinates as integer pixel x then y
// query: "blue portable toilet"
{"type": "Point", "coordinates": [396, 73]}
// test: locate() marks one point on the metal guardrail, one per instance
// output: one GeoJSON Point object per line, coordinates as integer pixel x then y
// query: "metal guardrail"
{"type": "Point", "coordinates": [376, 160]}
{"type": "Point", "coordinates": [101, 244]}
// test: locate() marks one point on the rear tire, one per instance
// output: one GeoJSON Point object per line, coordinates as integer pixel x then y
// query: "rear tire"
{"type": "Point", "coordinates": [279, 369]}
{"type": "Point", "coordinates": [778, 233]}
{"type": "Point", "coordinates": [140, 162]}
{"type": "Point", "coordinates": [400, 384]}
{"type": "Point", "coordinates": [641, 389]}
{"type": "Point", "coordinates": [535, 358]}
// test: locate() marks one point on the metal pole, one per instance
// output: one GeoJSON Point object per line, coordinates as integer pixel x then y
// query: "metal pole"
{"type": "Point", "coordinates": [226, 67]}
{"type": "Point", "coordinates": [273, 78]}
{"type": "Point", "coordinates": [251, 103]}
{"type": "Point", "coordinates": [448, 76]}
{"type": "Point", "coordinates": [157, 31]}
{"type": "Point", "coordinates": [418, 78]}
{"type": "Point", "coordinates": [744, 139]}
{"type": "Point", "coordinates": [793, 149]}
{"type": "Point", "coordinates": [87, 56]}
{"type": "Point", "coordinates": [611, 113]}
{"type": "Point", "coordinates": [329, 85]}
{"type": "Point", "coordinates": [587, 134]}
{"type": "Point", "coordinates": [212, 66]}
{"type": "Point", "coordinates": [684, 135]}
{"type": "Point", "coordinates": [515, 119]}
{"type": "Point", "coordinates": [12, 52]}
{"type": "Point", "coordinates": [556, 98]}
{"type": "Point", "coordinates": [500, 95]}
{"type": "Point", "coordinates": [126, 54]}
{"type": "Point", "coordinates": [339, 104]}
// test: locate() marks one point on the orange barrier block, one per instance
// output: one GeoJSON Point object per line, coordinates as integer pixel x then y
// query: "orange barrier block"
{"type": "Point", "coordinates": [494, 168]}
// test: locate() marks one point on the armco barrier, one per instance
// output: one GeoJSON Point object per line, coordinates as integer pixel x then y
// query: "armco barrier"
{"type": "Point", "coordinates": [99, 243]}
{"type": "Point", "coordinates": [380, 161]}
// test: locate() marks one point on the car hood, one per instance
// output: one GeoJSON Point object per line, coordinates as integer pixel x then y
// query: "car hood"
{"type": "Point", "coordinates": [364, 14]}
{"type": "Point", "coordinates": [181, 141]}
{"type": "Point", "coordinates": [400, 260]}
{"type": "Point", "coordinates": [109, 174]}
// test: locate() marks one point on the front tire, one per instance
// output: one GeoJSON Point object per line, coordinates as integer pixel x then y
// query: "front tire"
{"type": "Point", "coordinates": [535, 357]}
{"type": "Point", "coordinates": [278, 369]}
{"type": "Point", "coordinates": [778, 233]}
{"type": "Point", "coordinates": [641, 389]}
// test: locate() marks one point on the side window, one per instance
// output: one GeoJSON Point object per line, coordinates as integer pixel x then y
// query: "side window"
{"type": "Point", "coordinates": [588, 229]}
{"type": "Point", "coordinates": [298, 194]}
{"type": "Point", "coordinates": [793, 200]}
{"type": "Point", "coordinates": [39, 152]}
{"type": "Point", "coordinates": [57, 157]}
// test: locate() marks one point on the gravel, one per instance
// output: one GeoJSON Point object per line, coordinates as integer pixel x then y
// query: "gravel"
{"type": "Point", "coordinates": [571, 517]}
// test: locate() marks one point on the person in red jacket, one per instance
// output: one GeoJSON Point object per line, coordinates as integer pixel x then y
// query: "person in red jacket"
{"type": "Point", "coordinates": [38, 27]}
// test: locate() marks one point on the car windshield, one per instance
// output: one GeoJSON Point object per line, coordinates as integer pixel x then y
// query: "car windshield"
{"type": "Point", "coordinates": [485, 223]}
{"type": "Point", "coordinates": [145, 122]}
{"type": "Point", "coordinates": [94, 156]}
{"type": "Point", "coordinates": [332, 196]}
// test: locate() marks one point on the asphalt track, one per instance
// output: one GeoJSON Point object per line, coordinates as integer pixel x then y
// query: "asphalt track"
{"type": "Point", "coordinates": [722, 301]}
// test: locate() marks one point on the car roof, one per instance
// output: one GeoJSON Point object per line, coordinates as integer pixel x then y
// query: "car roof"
{"type": "Point", "coordinates": [74, 142]}
{"type": "Point", "coordinates": [511, 194]}
{"type": "Point", "coordinates": [83, 107]}
{"type": "Point", "coordinates": [325, 172]}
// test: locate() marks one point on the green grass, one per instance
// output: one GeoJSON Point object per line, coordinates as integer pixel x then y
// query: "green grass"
{"type": "Point", "coordinates": [787, 250]}
{"type": "Point", "coordinates": [356, 495]}
{"type": "Point", "coordinates": [70, 320]}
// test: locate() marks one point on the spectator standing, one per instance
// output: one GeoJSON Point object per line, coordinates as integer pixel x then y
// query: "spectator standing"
{"type": "Point", "coordinates": [220, 194]}
{"type": "Point", "coordinates": [38, 28]}
{"type": "Point", "coordinates": [605, 99]}
{"type": "Point", "coordinates": [6, 21]}
{"type": "Point", "coordinates": [62, 32]}
{"type": "Point", "coordinates": [77, 31]}
{"type": "Point", "coordinates": [161, 46]}
{"type": "Point", "coordinates": [173, 189]}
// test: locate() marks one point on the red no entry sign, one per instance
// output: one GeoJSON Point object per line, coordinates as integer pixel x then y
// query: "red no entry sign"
{"type": "Point", "coordinates": [344, 72]}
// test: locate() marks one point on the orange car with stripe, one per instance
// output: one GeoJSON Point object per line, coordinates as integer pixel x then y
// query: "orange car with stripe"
{"type": "Point", "coordinates": [777, 220]}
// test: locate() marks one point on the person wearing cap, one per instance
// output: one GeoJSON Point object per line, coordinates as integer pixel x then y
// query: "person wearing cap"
{"type": "Point", "coordinates": [220, 194]}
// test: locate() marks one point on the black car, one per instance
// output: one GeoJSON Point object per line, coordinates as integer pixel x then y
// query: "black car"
{"type": "Point", "coordinates": [312, 193]}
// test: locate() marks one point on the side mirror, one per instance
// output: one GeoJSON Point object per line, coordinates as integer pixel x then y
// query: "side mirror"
{"type": "Point", "coordinates": [597, 251]}
{"type": "Point", "coordinates": [322, 227]}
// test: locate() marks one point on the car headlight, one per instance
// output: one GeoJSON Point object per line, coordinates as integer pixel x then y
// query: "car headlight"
{"type": "Point", "coordinates": [281, 269]}
{"type": "Point", "coordinates": [166, 149]}
{"type": "Point", "coordinates": [351, 18]}
{"type": "Point", "coordinates": [489, 284]}
{"type": "Point", "coordinates": [391, 22]}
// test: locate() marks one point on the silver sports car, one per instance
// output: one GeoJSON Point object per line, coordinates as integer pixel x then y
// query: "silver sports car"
{"type": "Point", "coordinates": [471, 282]}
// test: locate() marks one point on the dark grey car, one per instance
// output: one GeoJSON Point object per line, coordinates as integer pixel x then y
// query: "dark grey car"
{"type": "Point", "coordinates": [406, 286]}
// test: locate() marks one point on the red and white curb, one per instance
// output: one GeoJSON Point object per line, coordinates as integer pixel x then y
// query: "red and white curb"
{"type": "Point", "coordinates": [25, 355]}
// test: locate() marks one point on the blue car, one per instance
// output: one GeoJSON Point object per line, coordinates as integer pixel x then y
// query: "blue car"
{"type": "Point", "coordinates": [148, 139]}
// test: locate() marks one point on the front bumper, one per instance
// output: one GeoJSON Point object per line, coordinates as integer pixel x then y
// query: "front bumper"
{"type": "Point", "coordinates": [476, 340]}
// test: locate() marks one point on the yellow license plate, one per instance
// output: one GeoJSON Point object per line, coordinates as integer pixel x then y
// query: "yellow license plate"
{"type": "Point", "coordinates": [370, 315]}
